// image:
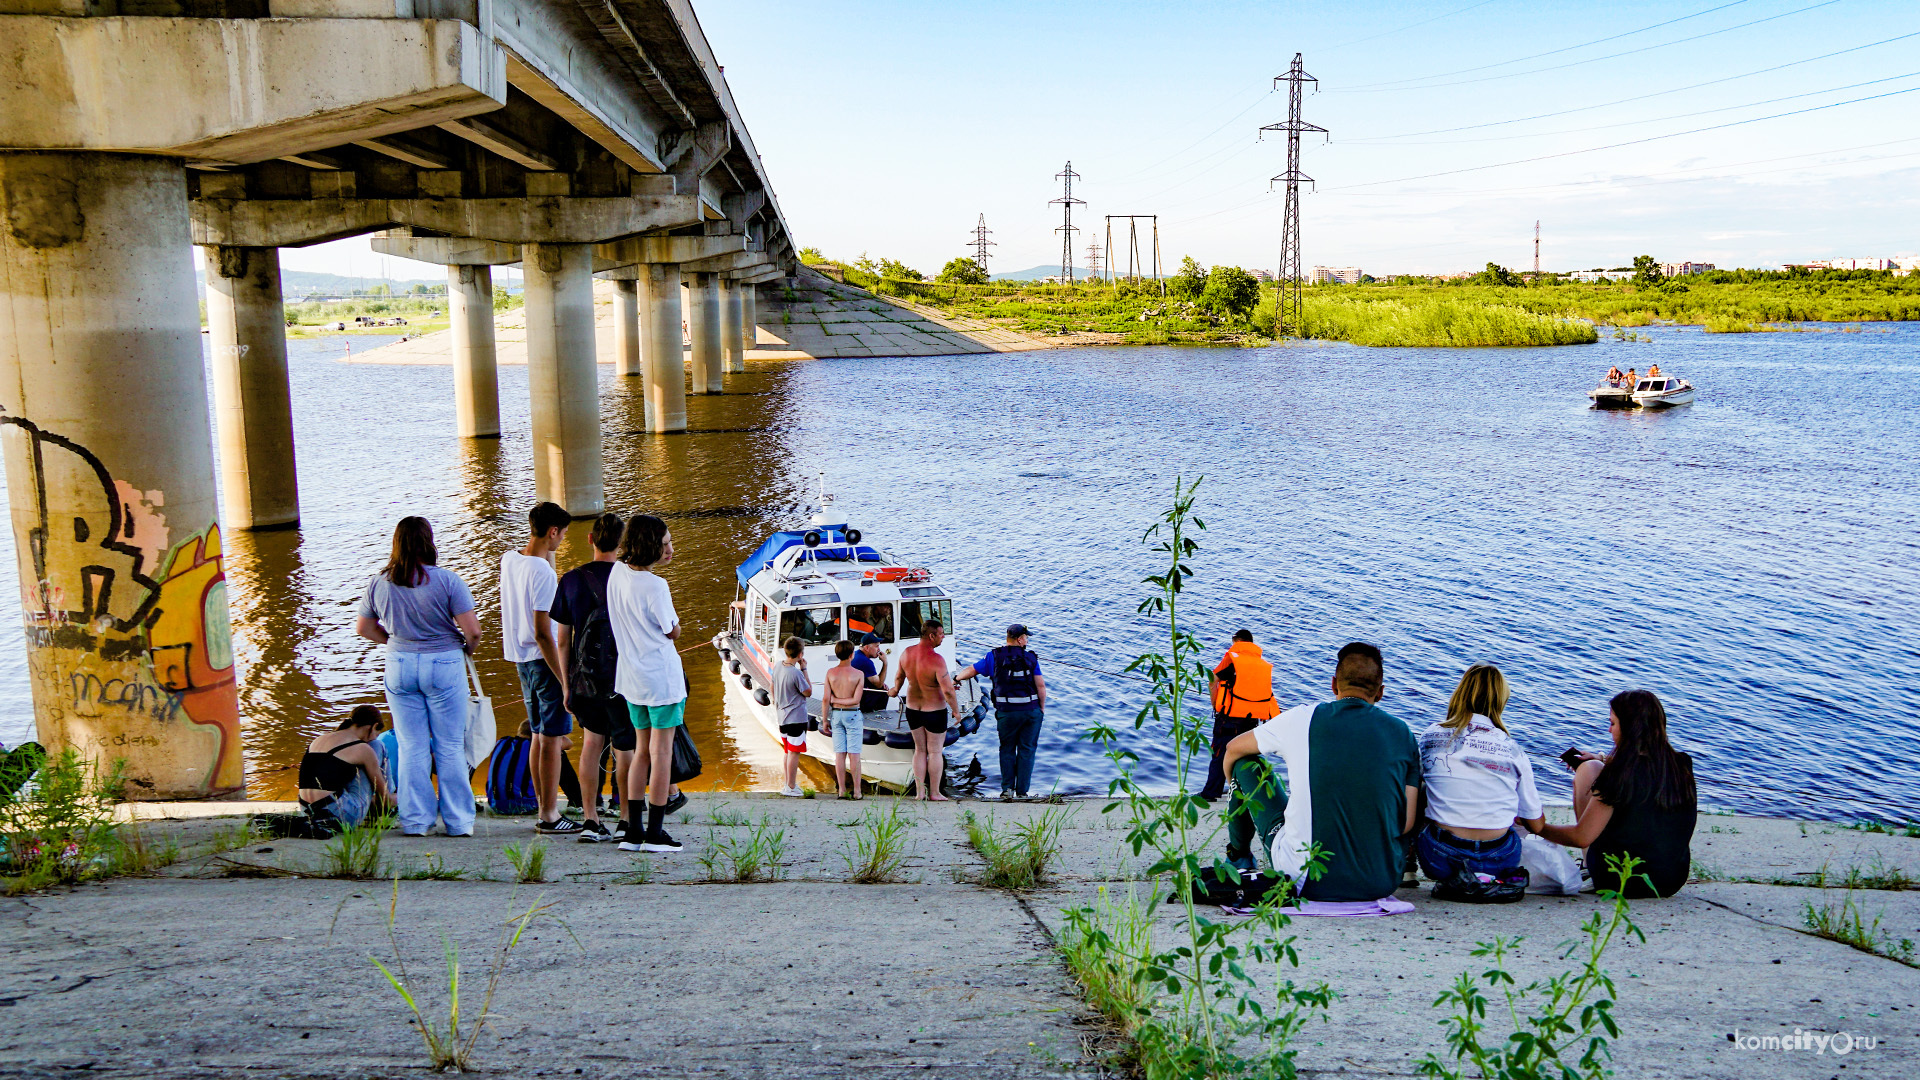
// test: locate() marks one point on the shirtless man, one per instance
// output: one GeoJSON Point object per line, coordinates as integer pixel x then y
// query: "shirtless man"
{"type": "Point", "coordinates": [844, 723]}
{"type": "Point", "coordinates": [930, 696]}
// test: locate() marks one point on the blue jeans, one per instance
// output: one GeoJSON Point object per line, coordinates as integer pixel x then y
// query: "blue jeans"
{"type": "Point", "coordinates": [1442, 854]}
{"type": "Point", "coordinates": [546, 704]}
{"type": "Point", "coordinates": [1019, 739]}
{"type": "Point", "coordinates": [427, 695]}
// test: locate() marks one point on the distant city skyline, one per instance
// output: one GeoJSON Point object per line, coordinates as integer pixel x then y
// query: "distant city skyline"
{"type": "Point", "coordinates": [1733, 132]}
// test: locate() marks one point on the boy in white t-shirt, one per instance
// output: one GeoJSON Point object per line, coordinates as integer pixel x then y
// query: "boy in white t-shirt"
{"type": "Point", "coordinates": [527, 587]}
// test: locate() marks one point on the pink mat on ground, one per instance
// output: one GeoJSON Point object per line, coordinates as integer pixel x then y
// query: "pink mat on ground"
{"type": "Point", "coordinates": [1386, 905]}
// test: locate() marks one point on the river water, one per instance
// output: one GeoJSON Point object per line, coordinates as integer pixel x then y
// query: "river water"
{"type": "Point", "coordinates": [1753, 558]}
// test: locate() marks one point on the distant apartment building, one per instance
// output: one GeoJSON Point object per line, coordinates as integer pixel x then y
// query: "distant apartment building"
{"type": "Point", "coordinates": [1682, 269]}
{"type": "Point", "coordinates": [1603, 275]}
{"type": "Point", "coordinates": [1850, 264]}
{"type": "Point", "coordinates": [1336, 275]}
{"type": "Point", "coordinates": [1263, 275]}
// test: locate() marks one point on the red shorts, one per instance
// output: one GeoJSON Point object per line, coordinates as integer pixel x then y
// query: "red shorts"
{"type": "Point", "coordinates": [794, 744]}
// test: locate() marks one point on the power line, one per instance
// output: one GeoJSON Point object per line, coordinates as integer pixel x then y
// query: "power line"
{"type": "Point", "coordinates": [1288, 320]}
{"type": "Point", "coordinates": [1381, 88]}
{"type": "Point", "coordinates": [1642, 97]}
{"type": "Point", "coordinates": [1066, 202]}
{"type": "Point", "coordinates": [1409, 26]}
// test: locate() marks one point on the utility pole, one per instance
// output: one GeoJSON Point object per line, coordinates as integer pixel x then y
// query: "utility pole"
{"type": "Point", "coordinates": [1136, 266]}
{"type": "Point", "coordinates": [980, 243]}
{"type": "Point", "coordinates": [1093, 260]}
{"type": "Point", "coordinates": [1289, 320]}
{"type": "Point", "coordinates": [1067, 202]}
{"type": "Point", "coordinates": [1536, 249]}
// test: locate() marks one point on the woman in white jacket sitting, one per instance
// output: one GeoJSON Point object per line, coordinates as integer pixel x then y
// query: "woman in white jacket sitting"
{"type": "Point", "coordinates": [1478, 782]}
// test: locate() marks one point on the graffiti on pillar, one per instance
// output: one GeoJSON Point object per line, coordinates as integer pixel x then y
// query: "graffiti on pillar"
{"type": "Point", "coordinates": [127, 630]}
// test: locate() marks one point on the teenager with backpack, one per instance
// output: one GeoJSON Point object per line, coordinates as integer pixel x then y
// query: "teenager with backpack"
{"type": "Point", "coordinates": [589, 658]}
{"type": "Point", "coordinates": [1019, 706]}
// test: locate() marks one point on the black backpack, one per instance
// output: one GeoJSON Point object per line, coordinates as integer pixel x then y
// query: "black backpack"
{"type": "Point", "coordinates": [593, 656]}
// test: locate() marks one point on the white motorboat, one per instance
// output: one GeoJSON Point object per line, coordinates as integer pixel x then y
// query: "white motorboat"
{"type": "Point", "coordinates": [1612, 394]}
{"type": "Point", "coordinates": [1662, 391]}
{"type": "Point", "coordinates": [823, 584]}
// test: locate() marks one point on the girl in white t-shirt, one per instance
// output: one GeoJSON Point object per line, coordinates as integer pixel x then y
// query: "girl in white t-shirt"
{"type": "Point", "coordinates": [647, 672]}
{"type": "Point", "coordinates": [1478, 781]}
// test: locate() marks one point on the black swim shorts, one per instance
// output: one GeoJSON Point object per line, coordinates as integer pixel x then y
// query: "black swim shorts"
{"type": "Point", "coordinates": [933, 720]}
{"type": "Point", "coordinates": [606, 717]}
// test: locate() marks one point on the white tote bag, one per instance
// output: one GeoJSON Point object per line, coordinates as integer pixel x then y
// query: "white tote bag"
{"type": "Point", "coordinates": [481, 732]}
{"type": "Point", "coordinates": [1550, 869]}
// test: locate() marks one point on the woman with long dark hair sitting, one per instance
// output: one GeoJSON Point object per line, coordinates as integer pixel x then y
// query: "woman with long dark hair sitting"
{"type": "Point", "coordinates": [424, 616]}
{"type": "Point", "coordinates": [1639, 800]}
{"type": "Point", "coordinates": [341, 780]}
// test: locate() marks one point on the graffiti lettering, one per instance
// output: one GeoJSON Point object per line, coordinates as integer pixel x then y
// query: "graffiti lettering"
{"type": "Point", "coordinates": [90, 692]}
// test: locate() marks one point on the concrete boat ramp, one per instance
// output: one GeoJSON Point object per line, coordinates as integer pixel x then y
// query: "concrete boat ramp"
{"type": "Point", "coordinates": [210, 969]}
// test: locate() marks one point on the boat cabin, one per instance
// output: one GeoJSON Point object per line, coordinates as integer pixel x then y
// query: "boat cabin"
{"type": "Point", "coordinates": [1647, 385]}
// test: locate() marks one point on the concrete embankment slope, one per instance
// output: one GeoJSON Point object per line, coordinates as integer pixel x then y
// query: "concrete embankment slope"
{"type": "Point", "coordinates": [213, 970]}
{"type": "Point", "coordinates": [818, 318]}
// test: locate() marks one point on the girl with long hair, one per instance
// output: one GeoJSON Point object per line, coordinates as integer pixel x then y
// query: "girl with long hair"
{"type": "Point", "coordinates": [424, 616]}
{"type": "Point", "coordinates": [648, 675]}
{"type": "Point", "coordinates": [1639, 800]}
{"type": "Point", "coordinates": [1478, 781]}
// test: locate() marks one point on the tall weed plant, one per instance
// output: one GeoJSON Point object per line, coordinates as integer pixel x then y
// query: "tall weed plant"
{"type": "Point", "coordinates": [1193, 1009]}
{"type": "Point", "coordinates": [57, 825]}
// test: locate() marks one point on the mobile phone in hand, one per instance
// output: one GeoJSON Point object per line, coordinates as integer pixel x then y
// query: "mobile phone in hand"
{"type": "Point", "coordinates": [1572, 758]}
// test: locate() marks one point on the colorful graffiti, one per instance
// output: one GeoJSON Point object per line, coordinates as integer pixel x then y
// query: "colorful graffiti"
{"type": "Point", "coordinates": [127, 632]}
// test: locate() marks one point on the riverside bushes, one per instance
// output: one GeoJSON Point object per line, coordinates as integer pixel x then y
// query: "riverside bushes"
{"type": "Point", "coordinates": [1436, 321]}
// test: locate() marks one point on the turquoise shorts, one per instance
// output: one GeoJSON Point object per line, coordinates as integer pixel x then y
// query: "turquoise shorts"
{"type": "Point", "coordinates": [656, 717]}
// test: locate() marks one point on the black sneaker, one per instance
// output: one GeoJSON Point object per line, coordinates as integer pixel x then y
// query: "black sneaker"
{"type": "Point", "coordinates": [565, 826]}
{"type": "Point", "coordinates": [592, 832]}
{"type": "Point", "coordinates": [679, 800]}
{"type": "Point", "coordinates": [657, 840]}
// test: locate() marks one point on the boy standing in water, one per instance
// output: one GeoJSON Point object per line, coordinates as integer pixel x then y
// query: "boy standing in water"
{"type": "Point", "coordinates": [844, 725]}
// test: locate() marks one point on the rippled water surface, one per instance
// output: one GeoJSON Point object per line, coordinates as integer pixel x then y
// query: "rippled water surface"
{"type": "Point", "coordinates": [1753, 558]}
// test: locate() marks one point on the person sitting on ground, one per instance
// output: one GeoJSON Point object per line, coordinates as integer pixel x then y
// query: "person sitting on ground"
{"type": "Point", "coordinates": [340, 776]}
{"type": "Point", "coordinates": [844, 722]}
{"type": "Point", "coordinates": [1639, 800]}
{"type": "Point", "coordinates": [1356, 801]}
{"type": "Point", "coordinates": [1479, 782]}
{"type": "Point", "coordinates": [791, 689]}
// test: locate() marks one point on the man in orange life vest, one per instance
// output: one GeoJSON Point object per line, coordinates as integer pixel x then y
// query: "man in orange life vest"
{"type": "Point", "coordinates": [1242, 701]}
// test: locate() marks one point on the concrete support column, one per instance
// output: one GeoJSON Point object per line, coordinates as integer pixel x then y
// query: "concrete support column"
{"type": "Point", "coordinates": [703, 325]}
{"type": "Point", "coordinates": [626, 328]}
{"type": "Point", "coordinates": [664, 360]}
{"type": "Point", "coordinates": [749, 319]}
{"type": "Point", "coordinates": [247, 329]}
{"type": "Point", "coordinates": [476, 386]}
{"type": "Point", "coordinates": [563, 377]}
{"type": "Point", "coordinates": [731, 312]}
{"type": "Point", "coordinates": [109, 459]}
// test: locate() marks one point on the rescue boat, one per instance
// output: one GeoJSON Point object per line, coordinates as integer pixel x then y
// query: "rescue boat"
{"type": "Point", "coordinates": [824, 584]}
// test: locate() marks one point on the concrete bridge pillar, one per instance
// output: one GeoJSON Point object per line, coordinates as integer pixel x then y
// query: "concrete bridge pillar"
{"type": "Point", "coordinates": [626, 327]}
{"type": "Point", "coordinates": [666, 369]}
{"type": "Point", "coordinates": [731, 312]}
{"type": "Point", "coordinates": [109, 459]}
{"type": "Point", "coordinates": [476, 385]}
{"type": "Point", "coordinates": [563, 377]}
{"type": "Point", "coordinates": [749, 319]}
{"type": "Point", "coordinates": [247, 332]}
{"type": "Point", "coordinates": [704, 328]}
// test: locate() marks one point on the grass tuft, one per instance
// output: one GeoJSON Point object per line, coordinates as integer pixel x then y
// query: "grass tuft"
{"type": "Point", "coordinates": [354, 852]}
{"type": "Point", "coordinates": [1018, 857]}
{"type": "Point", "coordinates": [878, 849]}
{"type": "Point", "coordinates": [1845, 923]}
{"type": "Point", "coordinates": [529, 863]}
{"type": "Point", "coordinates": [758, 856]}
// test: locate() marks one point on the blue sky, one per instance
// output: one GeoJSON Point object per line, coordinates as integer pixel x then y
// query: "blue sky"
{"type": "Point", "coordinates": [889, 127]}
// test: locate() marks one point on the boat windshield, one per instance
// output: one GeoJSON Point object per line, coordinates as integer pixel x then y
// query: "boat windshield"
{"type": "Point", "coordinates": [875, 619]}
{"type": "Point", "coordinates": [813, 626]}
{"type": "Point", "coordinates": [915, 612]}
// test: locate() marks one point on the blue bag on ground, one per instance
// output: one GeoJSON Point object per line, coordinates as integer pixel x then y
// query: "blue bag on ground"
{"type": "Point", "coordinates": [510, 777]}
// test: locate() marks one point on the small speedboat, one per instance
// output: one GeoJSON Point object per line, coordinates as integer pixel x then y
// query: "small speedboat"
{"type": "Point", "coordinates": [822, 584]}
{"type": "Point", "coordinates": [1662, 391]}
{"type": "Point", "coordinates": [1612, 395]}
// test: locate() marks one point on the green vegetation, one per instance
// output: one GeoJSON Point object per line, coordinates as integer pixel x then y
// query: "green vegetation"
{"type": "Point", "coordinates": [354, 851]}
{"type": "Point", "coordinates": [1575, 1008]}
{"type": "Point", "coordinates": [1497, 306]}
{"type": "Point", "coordinates": [878, 850]}
{"type": "Point", "coordinates": [962, 271]}
{"type": "Point", "coordinates": [1844, 922]}
{"type": "Point", "coordinates": [1016, 858]}
{"type": "Point", "coordinates": [56, 823]}
{"type": "Point", "coordinates": [758, 856]}
{"type": "Point", "coordinates": [529, 863]}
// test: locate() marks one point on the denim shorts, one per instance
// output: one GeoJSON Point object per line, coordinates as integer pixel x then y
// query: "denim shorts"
{"type": "Point", "coordinates": [848, 729]}
{"type": "Point", "coordinates": [546, 704]}
{"type": "Point", "coordinates": [1442, 854]}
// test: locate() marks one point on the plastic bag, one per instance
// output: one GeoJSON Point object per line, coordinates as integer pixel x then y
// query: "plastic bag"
{"type": "Point", "coordinates": [1552, 871]}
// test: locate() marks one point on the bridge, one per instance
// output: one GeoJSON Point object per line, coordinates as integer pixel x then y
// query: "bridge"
{"type": "Point", "coordinates": [573, 138]}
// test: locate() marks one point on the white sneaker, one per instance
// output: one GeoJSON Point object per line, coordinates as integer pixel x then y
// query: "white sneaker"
{"type": "Point", "coordinates": [793, 793]}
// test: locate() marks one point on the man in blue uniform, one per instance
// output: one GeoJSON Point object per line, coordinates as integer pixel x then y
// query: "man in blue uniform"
{"type": "Point", "coordinates": [1019, 705]}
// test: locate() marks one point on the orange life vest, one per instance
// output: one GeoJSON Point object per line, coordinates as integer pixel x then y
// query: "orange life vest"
{"type": "Point", "coordinates": [1250, 696]}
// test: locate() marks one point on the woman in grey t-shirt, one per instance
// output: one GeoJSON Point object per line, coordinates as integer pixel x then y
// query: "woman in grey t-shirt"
{"type": "Point", "coordinates": [424, 616]}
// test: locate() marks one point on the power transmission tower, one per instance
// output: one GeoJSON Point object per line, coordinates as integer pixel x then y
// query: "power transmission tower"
{"type": "Point", "coordinates": [1135, 265]}
{"type": "Point", "coordinates": [1067, 202]}
{"type": "Point", "coordinates": [1536, 248]}
{"type": "Point", "coordinates": [1093, 260]}
{"type": "Point", "coordinates": [980, 243]}
{"type": "Point", "coordinates": [1289, 320]}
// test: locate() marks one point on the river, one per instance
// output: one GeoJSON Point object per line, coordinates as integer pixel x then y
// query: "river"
{"type": "Point", "coordinates": [1753, 558]}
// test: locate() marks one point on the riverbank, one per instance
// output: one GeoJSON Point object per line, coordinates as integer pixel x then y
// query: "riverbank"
{"type": "Point", "coordinates": [219, 964]}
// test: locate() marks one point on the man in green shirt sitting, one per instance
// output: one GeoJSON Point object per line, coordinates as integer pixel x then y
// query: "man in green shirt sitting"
{"type": "Point", "coordinates": [1355, 771]}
